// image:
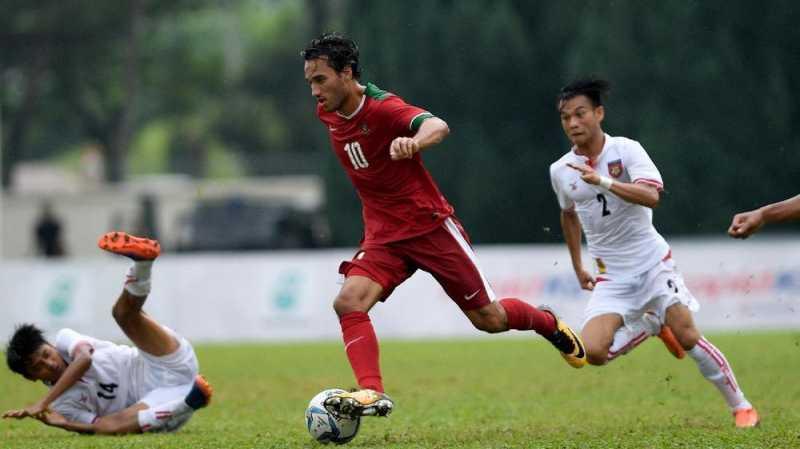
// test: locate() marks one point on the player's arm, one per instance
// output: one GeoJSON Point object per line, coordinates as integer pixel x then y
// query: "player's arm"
{"type": "Point", "coordinates": [432, 131]}
{"type": "Point", "coordinates": [638, 193]}
{"type": "Point", "coordinates": [81, 362]}
{"type": "Point", "coordinates": [571, 228]}
{"type": "Point", "coordinates": [122, 422]}
{"type": "Point", "coordinates": [747, 223]}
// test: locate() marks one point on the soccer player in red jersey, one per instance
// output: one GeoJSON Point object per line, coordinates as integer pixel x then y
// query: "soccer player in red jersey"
{"type": "Point", "coordinates": [408, 223]}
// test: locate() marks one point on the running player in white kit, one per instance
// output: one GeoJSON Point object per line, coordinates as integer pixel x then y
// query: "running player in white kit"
{"type": "Point", "coordinates": [100, 387]}
{"type": "Point", "coordinates": [607, 186]}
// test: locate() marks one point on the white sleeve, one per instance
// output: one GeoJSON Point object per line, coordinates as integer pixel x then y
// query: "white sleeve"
{"type": "Point", "coordinates": [564, 201]}
{"type": "Point", "coordinates": [67, 340]}
{"type": "Point", "coordinates": [69, 405]}
{"type": "Point", "coordinates": [641, 168]}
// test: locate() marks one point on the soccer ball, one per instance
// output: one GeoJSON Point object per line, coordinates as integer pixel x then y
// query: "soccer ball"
{"type": "Point", "coordinates": [325, 427]}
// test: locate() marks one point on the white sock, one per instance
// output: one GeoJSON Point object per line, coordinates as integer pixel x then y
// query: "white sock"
{"type": "Point", "coordinates": [138, 279]}
{"type": "Point", "coordinates": [633, 334]}
{"type": "Point", "coordinates": [715, 368]}
{"type": "Point", "coordinates": [164, 416]}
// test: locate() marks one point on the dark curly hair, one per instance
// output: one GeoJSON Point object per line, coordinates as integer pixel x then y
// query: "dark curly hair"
{"type": "Point", "coordinates": [595, 89]}
{"type": "Point", "coordinates": [340, 52]}
{"type": "Point", "coordinates": [26, 340]}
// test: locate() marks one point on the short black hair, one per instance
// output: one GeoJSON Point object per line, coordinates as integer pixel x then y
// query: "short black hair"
{"type": "Point", "coordinates": [339, 50]}
{"type": "Point", "coordinates": [595, 89]}
{"type": "Point", "coordinates": [26, 340]}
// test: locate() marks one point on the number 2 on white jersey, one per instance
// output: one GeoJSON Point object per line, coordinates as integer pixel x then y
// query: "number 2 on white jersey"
{"type": "Point", "coordinates": [356, 155]}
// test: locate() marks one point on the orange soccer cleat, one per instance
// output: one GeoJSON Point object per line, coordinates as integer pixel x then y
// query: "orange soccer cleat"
{"type": "Point", "coordinates": [671, 342]}
{"type": "Point", "coordinates": [137, 248]}
{"type": "Point", "coordinates": [746, 418]}
{"type": "Point", "coordinates": [200, 394]}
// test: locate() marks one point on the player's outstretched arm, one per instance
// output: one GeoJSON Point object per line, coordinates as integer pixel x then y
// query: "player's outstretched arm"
{"type": "Point", "coordinates": [431, 132]}
{"type": "Point", "coordinates": [641, 194]}
{"type": "Point", "coordinates": [571, 227]}
{"type": "Point", "coordinates": [122, 422]}
{"type": "Point", "coordinates": [747, 223]}
{"type": "Point", "coordinates": [81, 363]}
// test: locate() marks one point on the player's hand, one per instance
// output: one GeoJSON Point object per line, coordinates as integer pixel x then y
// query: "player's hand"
{"type": "Point", "coordinates": [746, 224]}
{"type": "Point", "coordinates": [585, 279]}
{"type": "Point", "coordinates": [403, 148]}
{"type": "Point", "coordinates": [52, 418]}
{"type": "Point", "coordinates": [587, 173]}
{"type": "Point", "coordinates": [36, 410]}
{"type": "Point", "coordinates": [16, 414]}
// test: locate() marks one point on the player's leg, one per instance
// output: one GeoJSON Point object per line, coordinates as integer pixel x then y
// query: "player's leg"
{"type": "Point", "coordinates": [168, 409]}
{"type": "Point", "coordinates": [711, 363]}
{"type": "Point", "coordinates": [162, 410]}
{"type": "Point", "coordinates": [599, 334]}
{"type": "Point", "coordinates": [370, 277]}
{"type": "Point", "coordinates": [448, 256]}
{"type": "Point", "coordinates": [142, 330]}
{"type": "Point", "coordinates": [357, 296]}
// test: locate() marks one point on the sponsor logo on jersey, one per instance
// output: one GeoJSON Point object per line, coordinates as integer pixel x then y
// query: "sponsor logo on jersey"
{"type": "Point", "coordinates": [615, 168]}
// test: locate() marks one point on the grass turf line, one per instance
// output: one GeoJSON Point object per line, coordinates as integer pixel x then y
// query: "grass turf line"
{"type": "Point", "coordinates": [490, 392]}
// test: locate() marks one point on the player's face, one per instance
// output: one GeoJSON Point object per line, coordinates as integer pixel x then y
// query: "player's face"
{"type": "Point", "coordinates": [580, 119]}
{"type": "Point", "coordinates": [46, 364]}
{"type": "Point", "coordinates": [328, 86]}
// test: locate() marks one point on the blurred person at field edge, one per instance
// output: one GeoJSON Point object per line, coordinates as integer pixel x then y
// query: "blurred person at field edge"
{"type": "Point", "coordinates": [408, 224]}
{"type": "Point", "coordinates": [96, 386]}
{"type": "Point", "coordinates": [607, 187]}
{"type": "Point", "coordinates": [745, 224]}
{"type": "Point", "coordinates": [47, 233]}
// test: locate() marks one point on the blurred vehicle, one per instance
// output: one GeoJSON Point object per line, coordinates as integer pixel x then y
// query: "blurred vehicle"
{"type": "Point", "coordinates": [247, 224]}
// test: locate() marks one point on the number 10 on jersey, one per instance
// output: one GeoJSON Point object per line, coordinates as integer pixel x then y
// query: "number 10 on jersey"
{"type": "Point", "coordinates": [356, 155]}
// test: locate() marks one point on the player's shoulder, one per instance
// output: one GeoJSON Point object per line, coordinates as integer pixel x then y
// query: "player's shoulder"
{"type": "Point", "coordinates": [625, 145]}
{"type": "Point", "coordinates": [561, 163]}
{"type": "Point", "coordinates": [374, 92]}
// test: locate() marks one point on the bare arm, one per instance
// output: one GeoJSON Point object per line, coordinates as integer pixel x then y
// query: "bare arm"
{"type": "Point", "coordinates": [748, 223]}
{"type": "Point", "coordinates": [81, 363]}
{"type": "Point", "coordinates": [571, 227]}
{"type": "Point", "coordinates": [73, 373]}
{"type": "Point", "coordinates": [122, 422]}
{"type": "Point", "coordinates": [431, 132]}
{"type": "Point", "coordinates": [641, 194]}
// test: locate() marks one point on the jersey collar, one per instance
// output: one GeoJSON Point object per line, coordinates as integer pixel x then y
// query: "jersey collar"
{"type": "Point", "coordinates": [358, 109]}
{"type": "Point", "coordinates": [606, 143]}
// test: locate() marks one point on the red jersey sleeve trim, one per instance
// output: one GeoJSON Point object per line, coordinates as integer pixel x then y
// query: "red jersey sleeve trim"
{"type": "Point", "coordinates": [417, 120]}
{"type": "Point", "coordinates": [651, 182]}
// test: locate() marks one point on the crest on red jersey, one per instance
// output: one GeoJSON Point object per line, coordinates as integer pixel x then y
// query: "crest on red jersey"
{"type": "Point", "coordinates": [364, 129]}
{"type": "Point", "coordinates": [615, 168]}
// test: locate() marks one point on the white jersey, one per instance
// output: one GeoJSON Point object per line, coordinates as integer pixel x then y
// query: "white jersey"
{"type": "Point", "coordinates": [620, 235]}
{"type": "Point", "coordinates": [105, 388]}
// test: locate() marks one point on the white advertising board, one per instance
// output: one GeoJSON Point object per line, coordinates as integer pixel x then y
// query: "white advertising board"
{"type": "Point", "coordinates": [285, 296]}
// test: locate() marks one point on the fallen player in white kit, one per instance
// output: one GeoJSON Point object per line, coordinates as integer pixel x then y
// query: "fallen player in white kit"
{"type": "Point", "coordinates": [99, 387]}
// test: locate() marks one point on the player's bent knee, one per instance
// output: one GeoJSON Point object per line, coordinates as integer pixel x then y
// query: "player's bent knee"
{"type": "Point", "coordinates": [350, 300]}
{"type": "Point", "coordinates": [596, 355]}
{"type": "Point", "coordinates": [687, 337]}
{"type": "Point", "coordinates": [488, 319]}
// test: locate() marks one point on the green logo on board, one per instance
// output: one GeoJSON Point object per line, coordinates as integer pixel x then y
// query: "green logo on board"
{"type": "Point", "coordinates": [59, 297]}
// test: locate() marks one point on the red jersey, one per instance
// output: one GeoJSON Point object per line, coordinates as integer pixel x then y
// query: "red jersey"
{"type": "Point", "coordinates": [400, 200]}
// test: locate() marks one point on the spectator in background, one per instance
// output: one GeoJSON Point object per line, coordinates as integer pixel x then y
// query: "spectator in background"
{"type": "Point", "coordinates": [48, 233]}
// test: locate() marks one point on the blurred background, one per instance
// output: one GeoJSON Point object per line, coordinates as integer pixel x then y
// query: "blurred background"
{"type": "Point", "coordinates": [190, 120]}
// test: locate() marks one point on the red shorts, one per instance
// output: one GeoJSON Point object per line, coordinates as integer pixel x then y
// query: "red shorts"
{"type": "Point", "coordinates": [445, 253]}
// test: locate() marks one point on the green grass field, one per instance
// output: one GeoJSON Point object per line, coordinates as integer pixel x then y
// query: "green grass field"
{"type": "Point", "coordinates": [482, 393]}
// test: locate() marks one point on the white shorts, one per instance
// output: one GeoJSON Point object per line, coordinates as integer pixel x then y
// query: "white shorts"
{"type": "Point", "coordinates": [654, 290]}
{"type": "Point", "coordinates": [172, 370]}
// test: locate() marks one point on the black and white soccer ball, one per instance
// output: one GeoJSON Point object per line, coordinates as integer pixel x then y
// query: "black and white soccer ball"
{"type": "Point", "coordinates": [326, 428]}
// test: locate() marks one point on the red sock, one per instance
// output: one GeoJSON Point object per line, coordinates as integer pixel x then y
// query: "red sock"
{"type": "Point", "coordinates": [361, 346]}
{"type": "Point", "coordinates": [523, 316]}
